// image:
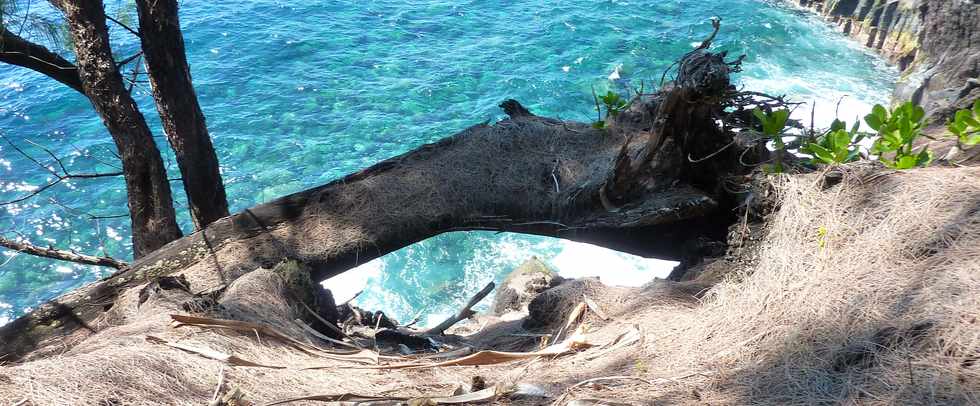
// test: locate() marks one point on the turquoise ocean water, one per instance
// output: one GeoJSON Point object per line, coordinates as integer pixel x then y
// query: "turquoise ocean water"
{"type": "Point", "coordinates": [299, 93]}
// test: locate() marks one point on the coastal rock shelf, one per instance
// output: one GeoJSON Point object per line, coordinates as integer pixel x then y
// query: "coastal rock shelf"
{"type": "Point", "coordinates": [936, 44]}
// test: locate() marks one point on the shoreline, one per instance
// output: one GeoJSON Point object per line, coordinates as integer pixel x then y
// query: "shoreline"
{"type": "Point", "coordinates": [935, 46]}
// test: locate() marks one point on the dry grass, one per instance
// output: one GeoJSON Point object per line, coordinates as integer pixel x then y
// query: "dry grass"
{"type": "Point", "coordinates": [884, 250]}
{"type": "Point", "coordinates": [880, 307]}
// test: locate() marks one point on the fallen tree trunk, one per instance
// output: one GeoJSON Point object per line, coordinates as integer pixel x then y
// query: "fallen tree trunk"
{"type": "Point", "coordinates": [630, 186]}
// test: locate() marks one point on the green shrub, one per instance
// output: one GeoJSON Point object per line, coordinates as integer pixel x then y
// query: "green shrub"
{"type": "Point", "coordinates": [773, 125]}
{"type": "Point", "coordinates": [837, 146]}
{"type": "Point", "coordinates": [897, 132]}
{"type": "Point", "coordinates": [966, 125]}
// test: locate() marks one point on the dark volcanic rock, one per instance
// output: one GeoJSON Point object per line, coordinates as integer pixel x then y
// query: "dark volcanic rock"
{"type": "Point", "coordinates": [522, 285]}
{"type": "Point", "coordinates": [936, 44]}
{"type": "Point", "coordinates": [552, 306]}
{"type": "Point", "coordinates": [353, 315]}
{"type": "Point", "coordinates": [326, 309]}
{"type": "Point", "coordinates": [390, 339]}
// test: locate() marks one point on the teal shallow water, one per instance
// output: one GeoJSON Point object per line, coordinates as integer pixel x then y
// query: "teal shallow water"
{"type": "Point", "coordinates": [300, 94]}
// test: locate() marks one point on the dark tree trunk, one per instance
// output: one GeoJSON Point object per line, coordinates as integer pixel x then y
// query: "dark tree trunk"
{"type": "Point", "coordinates": [18, 51]}
{"type": "Point", "coordinates": [183, 121]}
{"type": "Point", "coordinates": [151, 208]}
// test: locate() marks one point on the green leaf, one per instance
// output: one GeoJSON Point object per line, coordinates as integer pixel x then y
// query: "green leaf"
{"type": "Point", "coordinates": [821, 153]}
{"type": "Point", "coordinates": [877, 148]}
{"type": "Point", "coordinates": [759, 115]}
{"type": "Point", "coordinates": [880, 112]}
{"type": "Point", "coordinates": [971, 120]}
{"type": "Point", "coordinates": [923, 158]}
{"type": "Point", "coordinates": [956, 128]}
{"type": "Point", "coordinates": [779, 119]}
{"type": "Point", "coordinates": [887, 142]}
{"type": "Point", "coordinates": [839, 140]}
{"type": "Point", "coordinates": [962, 115]}
{"type": "Point", "coordinates": [976, 108]}
{"type": "Point", "coordinates": [837, 125]}
{"type": "Point", "coordinates": [972, 140]}
{"type": "Point", "coordinates": [905, 129]}
{"type": "Point", "coordinates": [874, 121]}
{"type": "Point", "coordinates": [918, 113]}
{"type": "Point", "coordinates": [906, 162]}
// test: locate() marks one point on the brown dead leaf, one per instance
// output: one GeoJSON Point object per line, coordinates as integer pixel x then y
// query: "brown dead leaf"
{"type": "Point", "coordinates": [574, 343]}
{"type": "Point", "coordinates": [575, 314]}
{"type": "Point", "coordinates": [229, 359]}
{"type": "Point", "coordinates": [594, 307]}
{"type": "Point", "coordinates": [362, 356]}
{"type": "Point", "coordinates": [346, 399]}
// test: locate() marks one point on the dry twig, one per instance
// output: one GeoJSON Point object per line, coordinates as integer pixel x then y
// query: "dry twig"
{"type": "Point", "coordinates": [464, 313]}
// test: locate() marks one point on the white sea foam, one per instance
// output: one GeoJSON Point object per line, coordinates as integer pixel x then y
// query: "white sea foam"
{"type": "Point", "coordinates": [615, 73]}
{"type": "Point", "coordinates": [492, 260]}
{"type": "Point", "coordinates": [578, 260]}
{"type": "Point", "coordinates": [828, 100]}
{"type": "Point", "coordinates": [3, 308]}
{"type": "Point", "coordinates": [346, 285]}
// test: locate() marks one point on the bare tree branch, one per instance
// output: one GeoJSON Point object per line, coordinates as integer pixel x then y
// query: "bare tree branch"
{"type": "Point", "coordinates": [79, 212]}
{"type": "Point", "coordinates": [96, 157]}
{"type": "Point", "coordinates": [129, 59]}
{"type": "Point", "coordinates": [463, 313]}
{"type": "Point", "coordinates": [32, 194]}
{"type": "Point", "coordinates": [59, 177]}
{"type": "Point", "coordinates": [21, 52]}
{"type": "Point", "coordinates": [62, 255]}
{"type": "Point", "coordinates": [124, 26]}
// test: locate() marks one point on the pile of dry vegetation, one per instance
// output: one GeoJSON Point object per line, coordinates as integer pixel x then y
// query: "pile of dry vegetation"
{"type": "Point", "coordinates": [865, 292]}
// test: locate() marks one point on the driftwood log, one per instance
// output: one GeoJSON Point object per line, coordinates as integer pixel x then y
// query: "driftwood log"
{"type": "Point", "coordinates": [641, 185]}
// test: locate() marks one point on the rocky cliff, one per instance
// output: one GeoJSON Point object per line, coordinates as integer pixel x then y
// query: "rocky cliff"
{"type": "Point", "coordinates": [935, 43]}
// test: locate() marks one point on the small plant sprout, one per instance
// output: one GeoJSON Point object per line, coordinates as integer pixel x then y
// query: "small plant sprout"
{"type": "Point", "coordinates": [966, 125]}
{"type": "Point", "coordinates": [897, 132]}
{"type": "Point", "coordinates": [837, 146]}
{"type": "Point", "coordinates": [822, 236]}
{"type": "Point", "coordinates": [614, 104]}
{"type": "Point", "coordinates": [773, 125]}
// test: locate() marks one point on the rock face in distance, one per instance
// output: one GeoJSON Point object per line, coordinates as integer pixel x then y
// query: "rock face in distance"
{"type": "Point", "coordinates": [522, 285]}
{"type": "Point", "coordinates": [935, 43]}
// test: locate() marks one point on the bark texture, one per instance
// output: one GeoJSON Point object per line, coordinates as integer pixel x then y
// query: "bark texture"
{"type": "Point", "coordinates": [150, 204]}
{"type": "Point", "coordinates": [180, 113]}
{"type": "Point", "coordinates": [21, 52]}
{"type": "Point", "coordinates": [631, 186]}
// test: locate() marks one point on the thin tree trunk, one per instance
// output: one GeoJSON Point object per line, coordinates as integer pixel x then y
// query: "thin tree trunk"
{"type": "Point", "coordinates": [151, 208]}
{"type": "Point", "coordinates": [183, 121]}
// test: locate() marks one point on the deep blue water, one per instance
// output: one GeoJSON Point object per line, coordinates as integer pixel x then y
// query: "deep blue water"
{"type": "Point", "coordinates": [299, 93]}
